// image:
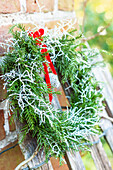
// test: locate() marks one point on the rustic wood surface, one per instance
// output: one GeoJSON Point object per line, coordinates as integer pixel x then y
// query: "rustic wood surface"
{"type": "Point", "coordinates": [99, 156]}
{"type": "Point", "coordinates": [103, 75]}
{"type": "Point", "coordinates": [28, 147]}
{"type": "Point", "coordinates": [74, 159]}
{"type": "Point", "coordinates": [107, 126]}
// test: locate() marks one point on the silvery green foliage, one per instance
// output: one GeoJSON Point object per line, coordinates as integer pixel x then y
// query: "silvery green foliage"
{"type": "Point", "coordinates": [56, 131]}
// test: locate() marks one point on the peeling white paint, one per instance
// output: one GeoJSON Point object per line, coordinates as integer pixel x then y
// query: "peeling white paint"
{"type": "Point", "coordinates": [11, 137]}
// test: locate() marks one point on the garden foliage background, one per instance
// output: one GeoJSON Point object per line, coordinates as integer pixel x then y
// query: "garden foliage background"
{"type": "Point", "coordinates": [98, 14]}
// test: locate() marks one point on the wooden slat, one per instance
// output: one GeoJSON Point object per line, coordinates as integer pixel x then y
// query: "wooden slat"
{"type": "Point", "coordinates": [99, 156]}
{"type": "Point", "coordinates": [103, 75]}
{"type": "Point", "coordinates": [73, 160]}
{"type": "Point", "coordinates": [107, 126]}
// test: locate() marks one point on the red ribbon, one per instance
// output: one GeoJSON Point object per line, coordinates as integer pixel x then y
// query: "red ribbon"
{"type": "Point", "coordinates": [38, 34]}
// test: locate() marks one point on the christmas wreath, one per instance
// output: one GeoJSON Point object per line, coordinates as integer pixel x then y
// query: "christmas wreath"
{"type": "Point", "coordinates": [26, 67]}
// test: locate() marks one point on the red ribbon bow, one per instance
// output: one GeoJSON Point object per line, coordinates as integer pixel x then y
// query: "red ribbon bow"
{"type": "Point", "coordinates": [38, 34]}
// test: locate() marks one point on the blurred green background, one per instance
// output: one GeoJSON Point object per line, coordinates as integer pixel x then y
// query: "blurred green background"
{"type": "Point", "coordinates": [99, 13]}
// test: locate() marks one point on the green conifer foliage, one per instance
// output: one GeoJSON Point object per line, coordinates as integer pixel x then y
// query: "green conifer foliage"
{"type": "Point", "coordinates": [57, 131]}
